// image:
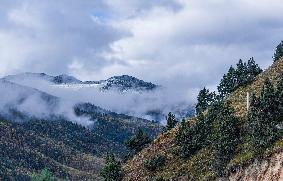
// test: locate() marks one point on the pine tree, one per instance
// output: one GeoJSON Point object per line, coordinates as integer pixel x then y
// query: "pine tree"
{"type": "Point", "coordinates": [225, 137]}
{"type": "Point", "coordinates": [112, 170]}
{"type": "Point", "coordinates": [192, 138]}
{"type": "Point", "coordinates": [279, 98]}
{"type": "Point", "coordinates": [252, 70]}
{"type": "Point", "coordinates": [268, 99]}
{"type": "Point", "coordinates": [138, 141]}
{"type": "Point", "coordinates": [204, 99]}
{"type": "Point", "coordinates": [278, 52]}
{"type": "Point", "coordinates": [227, 83]}
{"type": "Point", "coordinates": [171, 121]}
{"type": "Point", "coordinates": [241, 74]}
{"type": "Point", "coordinates": [263, 118]}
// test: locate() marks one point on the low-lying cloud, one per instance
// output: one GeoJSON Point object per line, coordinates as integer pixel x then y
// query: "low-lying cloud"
{"type": "Point", "coordinates": [21, 103]}
{"type": "Point", "coordinates": [152, 105]}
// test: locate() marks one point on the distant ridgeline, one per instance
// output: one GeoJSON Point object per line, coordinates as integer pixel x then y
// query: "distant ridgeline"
{"type": "Point", "coordinates": [121, 83]}
{"type": "Point", "coordinates": [224, 137]}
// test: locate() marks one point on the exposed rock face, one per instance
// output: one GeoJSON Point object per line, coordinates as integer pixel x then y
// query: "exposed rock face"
{"type": "Point", "coordinates": [270, 169]}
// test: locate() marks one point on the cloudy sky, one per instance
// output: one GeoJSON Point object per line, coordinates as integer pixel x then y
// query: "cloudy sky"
{"type": "Point", "coordinates": [170, 42]}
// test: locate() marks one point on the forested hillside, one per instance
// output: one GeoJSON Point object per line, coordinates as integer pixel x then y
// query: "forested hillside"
{"type": "Point", "coordinates": [66, 149]}
{"type": "Point", "coordinates": [226, 136]}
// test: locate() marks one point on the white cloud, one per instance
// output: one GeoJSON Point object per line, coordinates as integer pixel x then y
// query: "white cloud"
{"type": "Point", "coordinates": [199, 41]}
{"type": "Point", "coordinates": [178, 43]}
{"type": "Point", "coordinates": [45, 36]}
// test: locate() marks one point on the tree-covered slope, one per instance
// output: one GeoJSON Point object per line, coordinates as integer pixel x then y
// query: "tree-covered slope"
{"type": "Point", "coordinates": [202, 161]}
{"type": "Point", "coordinates": [67, 149]}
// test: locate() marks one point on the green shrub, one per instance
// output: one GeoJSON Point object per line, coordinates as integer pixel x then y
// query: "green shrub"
{"type": "Point", "coordinates": [137, 142]}
{"type": "Point", "coordinates": [45, 175]}
{"type": "Point", "coordinates": [112, 171]}
{"type": "Point", "coordinates": [171, 121]}
{"type": "Point", "coordinates": [156, 162]}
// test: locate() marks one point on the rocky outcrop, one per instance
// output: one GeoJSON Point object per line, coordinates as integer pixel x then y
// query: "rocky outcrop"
{"type": "Point", "coordinates": [270, 169]}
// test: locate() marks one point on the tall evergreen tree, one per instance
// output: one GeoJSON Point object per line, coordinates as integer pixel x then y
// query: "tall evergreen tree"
{"type": "Point", "coordinates": [241, 74]}
{"type": "Point", "coordinates": [263, 118]}
{"type": "Point", "coordinates": [171, 121]}
{"type": "Point", "coordinates": [227, 83]}
{"type": "Point", "coordinates": [279, 98]}
{"type": "Point", "coordinates": [278, 52]}
{"type": "Point", "coordinates": [225, 137]}
{"type": "Point", "coordinates": [112, 170]}
{"type": "Point", "coordinates": [192, 138]}
{"type": "Point", "coordinates": [252, 70]}
{"type": "Point", "coordinates": [204, 99]}
{"type": "Point", "coordinates": [268, 99]}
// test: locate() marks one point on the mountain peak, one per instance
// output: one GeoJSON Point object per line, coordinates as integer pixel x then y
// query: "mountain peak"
{"type": "Point", "coordinates": [65, 79]}
{"type": "Point", "coordinates": [126, 82]}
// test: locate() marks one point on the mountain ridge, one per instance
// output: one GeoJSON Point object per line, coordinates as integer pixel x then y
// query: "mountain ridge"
{"type": "Point", "coordinates": [121, 83]}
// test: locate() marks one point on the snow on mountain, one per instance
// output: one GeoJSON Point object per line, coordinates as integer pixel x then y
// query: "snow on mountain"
{"type": "Point", "coordinates": [122, 94]}
{"type": "Point", "coordinates": [29, 76]}
{"type": "Point", "coordinates": [126, 82]}
{"type": "Point", "coordinates": [118, 83]}
{"type": "Point", "coordinates": [65, 79]}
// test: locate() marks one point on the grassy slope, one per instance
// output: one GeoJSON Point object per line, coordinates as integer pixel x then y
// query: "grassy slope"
{"type": "Point", "coordinates": [197, 168]}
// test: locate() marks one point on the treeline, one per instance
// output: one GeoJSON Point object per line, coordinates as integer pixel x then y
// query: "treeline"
{"type": "Point", "coordinates": [244, 73]}
{"type": "Point", "coordinates": [240, 75]}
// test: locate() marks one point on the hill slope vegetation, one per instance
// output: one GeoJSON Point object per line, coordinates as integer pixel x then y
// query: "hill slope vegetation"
{"type": "Point", "coordinates": [209, 155]}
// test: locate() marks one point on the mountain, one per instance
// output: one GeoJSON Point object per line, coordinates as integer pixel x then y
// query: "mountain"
{"type": "Point", "coordinates": [40, 130]}
{"type": "Point", "coordinates": [160, 161]}
{"type": "Point", "coordinates": [65, 79]}
{"type": "Point", "coordinates": [125, 83]}
{"type": "Point", "coordinates": [123, 94]}
{"type": "Point", "coordinates": [119, 83]}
